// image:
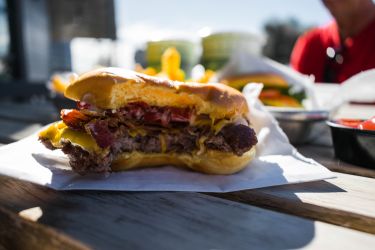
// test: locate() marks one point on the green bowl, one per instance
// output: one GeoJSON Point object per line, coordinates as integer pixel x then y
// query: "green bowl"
{"type": "Point", "coordinates": [219, 47]}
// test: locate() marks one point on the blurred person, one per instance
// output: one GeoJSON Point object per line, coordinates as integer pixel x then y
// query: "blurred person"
{"type": "Point", "coordinates": [341, 49]}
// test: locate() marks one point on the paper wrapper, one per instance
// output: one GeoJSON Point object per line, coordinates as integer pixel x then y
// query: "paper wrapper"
{"type": "Point", "coordinates": [358, 88]}
{"type": "Point", "coordinates": [276, 163]}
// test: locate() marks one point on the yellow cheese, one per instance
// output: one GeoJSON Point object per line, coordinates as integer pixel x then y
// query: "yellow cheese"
{"type": "Point", "coordinates": [201, 146]}
{"type": "Point", "coordinates": [58, 131]}
{"type": "Point", "coordinates": [133, 132]}
{"type": "Point", "coordinates": [203, 122]}
{"type": "Point", "coordinates": [216, 126]}
{"type": "Point", "coordinates": [81, 139]}
{"type": "Point", "coordinates": [53, 132]}
{"type": "Point", "coordinates": [163, 143]}
{"type": "Point", "coordinates": [221, 124]}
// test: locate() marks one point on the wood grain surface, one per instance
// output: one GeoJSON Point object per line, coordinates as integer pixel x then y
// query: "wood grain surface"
{"type": "Point", "coordinates": [160, 220]}
{"type": "Point", "coordinates": [18, 233]}
{"type": "Point", "coordinates": [348, 200]}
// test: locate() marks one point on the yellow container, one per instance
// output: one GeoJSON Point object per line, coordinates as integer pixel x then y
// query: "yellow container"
{"type": "Point", "coordinates": [187, 50]}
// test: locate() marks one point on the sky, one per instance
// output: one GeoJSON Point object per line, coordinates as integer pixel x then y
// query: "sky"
{"type": "Point", "coordinates": [188, 17]}
{"type": "Point", "coordinates": [139, 21]}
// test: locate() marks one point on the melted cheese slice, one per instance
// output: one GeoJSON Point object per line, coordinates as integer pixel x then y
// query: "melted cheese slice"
{"type": "Point", "coordinates": [58, 132]}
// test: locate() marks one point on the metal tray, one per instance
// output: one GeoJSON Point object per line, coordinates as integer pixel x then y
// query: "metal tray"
{"type": "Point", "coordinates": [301, 126]}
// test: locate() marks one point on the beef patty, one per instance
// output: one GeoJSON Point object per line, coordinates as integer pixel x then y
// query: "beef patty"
{"type": "Point", "coordinates": [147, 129]}
{"type": "Point", "coordinates": [237, 139]}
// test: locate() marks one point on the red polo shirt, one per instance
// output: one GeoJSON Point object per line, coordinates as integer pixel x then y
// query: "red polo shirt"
{"type": "Point", "coordinates": [356, 53]}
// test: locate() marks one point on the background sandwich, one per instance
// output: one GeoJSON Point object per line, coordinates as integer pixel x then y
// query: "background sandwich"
{"type": "Point", "coordinates": [276, 90]}
{"type": "Point", "coordinates": [127, 120]}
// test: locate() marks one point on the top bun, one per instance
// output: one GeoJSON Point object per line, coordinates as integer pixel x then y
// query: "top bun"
{"type": "Point", "coordinates": [268, 79]}
{"type": "Point", "coordinates": [113, 88]}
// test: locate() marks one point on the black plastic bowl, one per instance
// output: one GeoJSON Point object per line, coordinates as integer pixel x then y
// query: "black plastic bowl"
{"type": "Point", "coordinates": [353, 145]}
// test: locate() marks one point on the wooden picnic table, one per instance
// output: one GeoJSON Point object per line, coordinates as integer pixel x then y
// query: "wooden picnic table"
{"type": "Point", "coordinates": [332, 214]}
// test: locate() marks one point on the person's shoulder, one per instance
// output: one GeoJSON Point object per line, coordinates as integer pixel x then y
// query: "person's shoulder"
{"type": "Point", "coordinates": [319, 34]}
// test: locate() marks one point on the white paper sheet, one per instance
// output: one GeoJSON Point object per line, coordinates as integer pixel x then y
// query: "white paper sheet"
{"type": "Point", "coordinates": [359, 88]}
{"type": "Point", "coordinates": [277, 163]}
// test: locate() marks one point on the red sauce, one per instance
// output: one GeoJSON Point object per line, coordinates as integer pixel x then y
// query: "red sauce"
{"type": "Point", "coordinates": [359, 124]}
{"type": "Point", "coordinates": [368, 124]}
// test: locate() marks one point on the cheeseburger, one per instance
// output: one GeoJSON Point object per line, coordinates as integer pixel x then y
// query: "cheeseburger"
{"type": "Point", "coordinates": [276, 90]}
{"type": "Point", "coordinates": [126, 120]}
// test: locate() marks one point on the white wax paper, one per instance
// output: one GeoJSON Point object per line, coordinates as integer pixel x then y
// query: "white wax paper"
{"type": "Point", "coordinates": [277, 163]}
{"type": "Point", "coordinates": [358, 88]}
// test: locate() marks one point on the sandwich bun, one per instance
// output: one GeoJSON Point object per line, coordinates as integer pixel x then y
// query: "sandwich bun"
{"type": "Point", "coordinates": [268, 79]}
{"type": "Point", "coordinates": [209, 162]}
{"type": "Point", "coordinates": [113, 88]}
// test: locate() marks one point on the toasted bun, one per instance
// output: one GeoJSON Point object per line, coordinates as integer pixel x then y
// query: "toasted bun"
{"type": "Point", "coordinates": [113, 88]}
{"type": "Point", "coordinates": [210, 162]}
{"type": "Point", "coordinates": [268, 79]}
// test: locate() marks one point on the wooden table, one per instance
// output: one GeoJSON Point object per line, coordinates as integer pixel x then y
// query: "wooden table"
{"type": "Point", "coordinates": [333, 214]}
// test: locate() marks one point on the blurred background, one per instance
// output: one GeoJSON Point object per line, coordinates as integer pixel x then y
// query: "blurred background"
{"type": "Point", "coordinates": [42, 37]}
{"type": "Point", "coordinates": [44, 42]}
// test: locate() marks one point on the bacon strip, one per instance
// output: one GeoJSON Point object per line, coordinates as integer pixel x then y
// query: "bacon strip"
{"type": "Point", "coordinates": [138, 111]}
{"type": "Point", "coordinates": [74, 118]}
{"type": "Point", "coordinates": [99, 130]}
{"type": "Point", "coordinates": [156, 115]}
{"type": "Point", "coordinates": [180, 115]}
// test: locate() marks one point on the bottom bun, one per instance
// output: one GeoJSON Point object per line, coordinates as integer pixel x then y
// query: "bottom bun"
{"type": "Point", "coordinates": [210, 162]}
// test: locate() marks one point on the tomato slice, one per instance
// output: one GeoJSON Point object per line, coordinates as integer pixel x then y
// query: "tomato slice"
{"type": "Point", "coordinates": [353, 123]}
{"type": "Point", "coordinates": [270, 93]}
{"type": "Point", "coordinates": [368, 124]}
